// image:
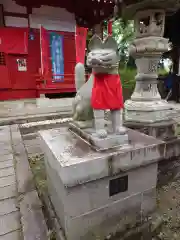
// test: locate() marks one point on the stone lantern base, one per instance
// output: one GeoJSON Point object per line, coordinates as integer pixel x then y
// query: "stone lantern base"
{"type": "Point", "coordinates": [146, 110]}
{"type": "Point", "coordinates": [155, 118]}
{"type": "Point", "coordinates": [150, 112]}
{"type": "Point", "coordinates": [164, 130]}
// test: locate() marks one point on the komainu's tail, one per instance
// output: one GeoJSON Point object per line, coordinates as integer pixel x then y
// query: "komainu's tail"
{"type": "Point", "coordinates": [79, 75]}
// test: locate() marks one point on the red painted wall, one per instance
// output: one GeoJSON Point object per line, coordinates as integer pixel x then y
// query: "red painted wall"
{"type": "Point", "coordinates": [16, 85]}
{"type": "Point", "coordinates": [4, 79]}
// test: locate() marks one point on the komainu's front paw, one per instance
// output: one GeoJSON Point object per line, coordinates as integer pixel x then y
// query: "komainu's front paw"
{"type": "Point", "coordinates": [102, 133]}
{"type": "Point", "coordinates": [120, 130]}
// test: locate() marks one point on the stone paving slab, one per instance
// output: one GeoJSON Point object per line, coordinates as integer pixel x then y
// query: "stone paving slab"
{"type": "Point", "coordinates": [15, 235]}
{"type": "Point", "coordinates": [5, 146]}
{"type": "Point", "coordinates": [5, 137]}
{"type": "Point", "coordinates": [30, 106]}
{"type": "Point", "coordinates": [7, 172]}
{"type": "Point", "coordinates": [6, 157]}
{"type": "Point", "coordinates": [4, 152]}
{"type": "Point", "coordinates": [8, 192]}
{"type": "Point", "coordinates": [7, 181]}
{"type": "Point", "coordinates": [9, 223]}
{"type": "Point", "coordinates": [32, 219]}
{"type": "Point", "coordinates": [21, 214]}
{"type": "Point", "coordinates": [8, 206]}
{"type": "Point", "coordinates": [25, 109]}
{"type": "Point", "coordinates": [6, 164]}
{"type": "Point", "coordinates": [34, 118]}
{"type": "Point", "coordinates": [32, 214]}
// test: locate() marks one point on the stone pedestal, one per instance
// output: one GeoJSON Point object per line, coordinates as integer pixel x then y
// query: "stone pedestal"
{"type": "Point", "coordinates": [98, 194]}
{"type": "Point", "coordinates": [160, 125]}
{"type": "Point", "coordinates": [112, 141]}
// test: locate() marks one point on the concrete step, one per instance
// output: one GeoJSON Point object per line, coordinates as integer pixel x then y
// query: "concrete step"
{"type": "Point", "coordinates": [35, 126]}
{"type": "Point", "coordinates": [33, 118]}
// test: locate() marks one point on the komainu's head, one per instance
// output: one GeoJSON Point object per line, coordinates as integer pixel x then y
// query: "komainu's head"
{"type": "Point", "coordinates": [102, 54]}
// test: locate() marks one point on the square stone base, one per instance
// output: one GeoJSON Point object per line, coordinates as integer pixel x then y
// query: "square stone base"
{"type": "Point", "coordinates": [97, 194]}
{"type": "Point", "coordinates": [157, 119]}
{"type": "Point", "coordinates": [164, 130]}
{"type": "Point", "coordinates": [99, 144]}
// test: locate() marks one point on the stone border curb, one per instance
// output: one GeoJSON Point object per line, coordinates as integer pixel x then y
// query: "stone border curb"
{"type": "Point", "coordinates": [33, 118]}
{"type": "Point", "coordinates": [32, 127]}
{"type": "Point", "coordinates": [32, 219]}
{"type": "Point", "coordinates": [53, 219]}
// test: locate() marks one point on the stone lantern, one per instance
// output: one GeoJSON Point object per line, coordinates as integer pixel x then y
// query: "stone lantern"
{"type": "Point", "coordinates": [146, 107]}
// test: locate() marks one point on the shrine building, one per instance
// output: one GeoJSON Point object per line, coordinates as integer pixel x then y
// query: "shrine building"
{"type": "Point", "coordinates": [38, 45]}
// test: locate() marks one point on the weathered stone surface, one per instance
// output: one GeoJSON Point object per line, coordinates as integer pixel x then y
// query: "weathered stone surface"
{"type": "Point", "coordinates": [18, 147]}
{"type": "Point", "coordinates": [95, 194]}
{"type": "Point", "coordinates": [5, 146]}
{"type": "Point", "coordinates": [4, 131]}
{"type": "Point", "coordinates": [6, 164]}
{"type": "Point", "coordinates": [172, 148]}
{"type": "Point", "coordinates": [149, 202]}
{"type": "Point", "coordinates": [105, 221]}
{"type": "Point", "coordinates": [7, 172]}
{"type": "Point", "coordinates": [81, 182]}
{"type": "Point", "coordinates": [57, 201]}
{"type": "Point", "coordinates": [100, 144]}
{"type": "Point", "coordinates": [77, 163]}
{"type": "Point", "coordinates": [32, 219]}
{"type": "Point", "coordinates": [15, 112]}
{"type": "Point", "coordinates": [8, 192]}
{"type": "Point", "coordinates": [16, 135]}
{"type": "Point", "coordinates": [146, 105]}
{"type": "Point", "coordinates": [16, 235]}
{"type": "Point", "coordinates": [7, 181]}
{"type": "Point", "coordinates": [9, 223]}
{"type": "Point", "coordinates": [24, 176]}
{"type": "Point", "coordinates": [9, 212]}
{"type": "Point", "coordinates": [33, 150]}
{"type": "Point", "coordinates": [102, 221]}
{"type": "Point", "coordinates": [5, 138]}
{"type": "Point", "coordinates": [31, 140]}
{"type": "Point", "coordinates": [5, 152]}
{"type": "Point", "coordinates": [6, 157]}
{"type": "Point", "coordinates": [163, 130]}
{"type": "Point", "coordinates": [8, 206]}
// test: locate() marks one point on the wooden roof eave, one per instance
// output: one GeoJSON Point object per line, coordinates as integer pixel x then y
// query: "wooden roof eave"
{"type": "Point", "coordinates": [87, 12]}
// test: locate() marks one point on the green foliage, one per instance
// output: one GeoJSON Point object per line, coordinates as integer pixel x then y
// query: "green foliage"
{"type": "Point", "coordinates": [123, 32]}
{"type": "Point", "coordinates": [127, 77]}
{"type": "Point", "coordinates": [162, 72]}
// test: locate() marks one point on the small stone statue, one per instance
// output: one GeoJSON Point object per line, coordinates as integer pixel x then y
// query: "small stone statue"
{"type": "Point", "coordinates": [107, 90]}
{"type": "Point", "coordinates": [102, 91]}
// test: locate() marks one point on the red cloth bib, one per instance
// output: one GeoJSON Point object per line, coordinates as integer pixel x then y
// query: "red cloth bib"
{"type": "Point", "coordinates": [107, 92]}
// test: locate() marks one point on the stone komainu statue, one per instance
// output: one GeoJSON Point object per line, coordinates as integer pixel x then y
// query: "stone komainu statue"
{"type": "Point", "coordinates": [103, 90]}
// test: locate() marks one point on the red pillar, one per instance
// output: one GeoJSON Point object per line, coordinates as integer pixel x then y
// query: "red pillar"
{"type": "Point", "coordinates": [110, 23]}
